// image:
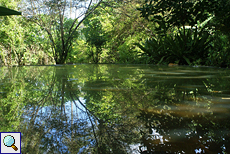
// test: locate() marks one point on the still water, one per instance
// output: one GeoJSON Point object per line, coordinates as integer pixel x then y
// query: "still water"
{"type": "Point", "coordinates": [117, 109]}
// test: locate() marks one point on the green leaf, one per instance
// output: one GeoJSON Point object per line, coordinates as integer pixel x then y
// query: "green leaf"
{"type": "Point", "coordinates": [187, 60]}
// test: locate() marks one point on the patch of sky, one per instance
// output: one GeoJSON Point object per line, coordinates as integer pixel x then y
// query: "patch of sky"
{"type": "Point", "coordinates": [74, 112]}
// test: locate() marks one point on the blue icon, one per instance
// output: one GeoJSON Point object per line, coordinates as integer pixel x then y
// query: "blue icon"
{"type": "Point", "coordinates": [9, 141]}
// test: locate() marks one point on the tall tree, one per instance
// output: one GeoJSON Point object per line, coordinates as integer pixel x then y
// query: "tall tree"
{"type": "Point", "coordinates": [51, 16]}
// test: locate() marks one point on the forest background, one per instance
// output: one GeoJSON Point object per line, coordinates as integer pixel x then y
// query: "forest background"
{"type": "Point", "coordinates": [184, 32]}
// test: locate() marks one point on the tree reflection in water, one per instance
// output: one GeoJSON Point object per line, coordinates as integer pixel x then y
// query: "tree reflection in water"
{"type": "Point", "coordinates": [118, 109]}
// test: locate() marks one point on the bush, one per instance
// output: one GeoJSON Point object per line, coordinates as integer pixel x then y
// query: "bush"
{"type": "Point", "coordinates": [186, 47]}
{"type": "Point", "coordinates": [219, 55]}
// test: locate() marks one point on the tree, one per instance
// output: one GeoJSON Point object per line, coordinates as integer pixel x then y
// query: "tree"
{"type": "Point", "coordinates": [11, 32]}
{"type": "Point", "coordinates": [95, 36]}
{"type": "Point", "coordinates": [51, 17]}
{"type": "Point", "coordinates": [181, 45]}
{"type": "Point", "coordinates": [177, 13]}
{"type": "Point", "coordinates": [122, 24]}
{"type": "Point", "coordinates": [127, 28]}
{"type": "Point", "coordinates": [222, 16]}
{"type": "Point", "coordinates": [21, 42]}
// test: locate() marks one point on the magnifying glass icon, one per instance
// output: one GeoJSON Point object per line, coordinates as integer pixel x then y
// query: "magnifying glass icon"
{"type": "Point", "coordinates": [9, 141]}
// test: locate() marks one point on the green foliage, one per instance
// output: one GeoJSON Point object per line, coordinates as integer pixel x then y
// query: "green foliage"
{"type": "Point", "coordinates": [126, 55]}
{"type": "Point", "coordinates": [199, 46]}
{"type": "Point", "coordinates": [219, 54]}
{"type": "Point", "coordinates": [22, 42]}
{"type": "Point", "coordinates": [11, 38]}
{"type": "Point", "coordinates": [222, 16]}
{"type": "Point", "coordinates": [93, 32]}
{"type": "Point", "coordinates": [175, 13]}
{"type": "Point", "coordinates": [111, 31]}
{"type": "Point", "coordinates": [95, 37]}
{"type": "Point", "coordinates": [22, 45]}
{"type": "Point", "coordinates": [115, 33]}
{"type": "Point", "coordinates": [63, 50]}
{"type": "Point", "coordinates": [152, 51]}
{"type": "Point", "coordinates": [52, 17]}
{"type": "Point", "coordinates": [79, 52]}
{"type": "Point", "coordinates": [187, 47]}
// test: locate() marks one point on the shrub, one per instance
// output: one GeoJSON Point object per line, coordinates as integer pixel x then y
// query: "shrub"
{"type": "Point", "coordinates": [186, 47]}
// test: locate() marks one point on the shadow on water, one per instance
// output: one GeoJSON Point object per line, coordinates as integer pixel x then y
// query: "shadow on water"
{"type": "Point", "coordinates": [117, 109]}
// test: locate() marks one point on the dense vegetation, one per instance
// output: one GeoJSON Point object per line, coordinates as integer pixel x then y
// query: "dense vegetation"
{"type": "Point", "coordinates": [184, 32]}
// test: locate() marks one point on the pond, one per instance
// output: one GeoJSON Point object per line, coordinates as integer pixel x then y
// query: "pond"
{"type": "Point", "coordinates": [117, 109]}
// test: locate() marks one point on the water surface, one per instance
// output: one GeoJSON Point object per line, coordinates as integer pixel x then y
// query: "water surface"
{"type": "Point", "coordinates": [117, 109]}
